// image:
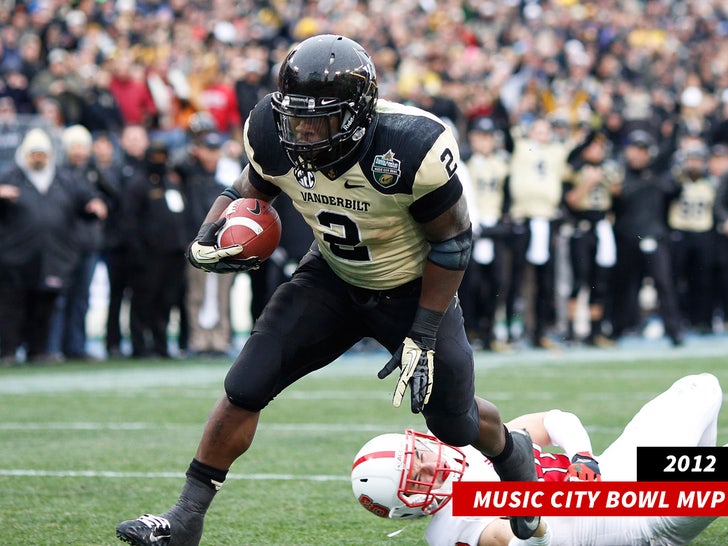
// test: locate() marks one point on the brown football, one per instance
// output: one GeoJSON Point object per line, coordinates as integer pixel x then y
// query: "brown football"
{"type": "Point", "coordinates": [252, 223]}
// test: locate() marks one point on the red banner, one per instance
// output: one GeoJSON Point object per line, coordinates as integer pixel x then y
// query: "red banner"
{"type": "Point", "coordinates": [590, 499]}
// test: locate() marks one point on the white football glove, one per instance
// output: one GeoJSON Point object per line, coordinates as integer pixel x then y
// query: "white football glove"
{"type": "Point", "coordinates": [206, 255]}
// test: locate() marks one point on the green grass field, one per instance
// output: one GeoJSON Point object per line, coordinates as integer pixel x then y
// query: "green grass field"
{"type": "Point", "coordinates": [84, 446]}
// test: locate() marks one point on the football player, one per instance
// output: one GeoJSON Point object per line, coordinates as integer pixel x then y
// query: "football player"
{"type": "Point", "coordinates": [684, 415]}
{"type": "Point", "coordinates": [692, 234]}
{"type": "Point", "coordinates": [378, 184]}
{"type": "Point", "coordinates": [592, 251]}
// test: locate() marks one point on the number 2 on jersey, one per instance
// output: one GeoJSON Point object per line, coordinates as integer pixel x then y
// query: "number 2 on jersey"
{"type": "Point", "coordinates": [343, 246]}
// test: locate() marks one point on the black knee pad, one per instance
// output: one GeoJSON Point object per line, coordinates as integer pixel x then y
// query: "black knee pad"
{"type": "Point", "coordinates": [253, 380]}
{"type": "Point", "coordinates": [455, 430]}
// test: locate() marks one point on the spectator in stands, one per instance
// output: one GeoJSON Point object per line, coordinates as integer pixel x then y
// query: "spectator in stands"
{"type": "Point", "coordinates": [207, 295]}
{"type": "Point", "coordinates": [212, 92]}
{"type": "Point", "coordinates": [156, 228]}
{"type": "Point", "coordinates": [60, 82]}
{"type": "Point", "coordinates": [134, 142]}
{"type": "Point", "coordinates": [38, 209]}
{"type": "Point", "coordinates": [295, 242]}
{"type": "Point", "coordinates": [251, 83]}
{"type": "Point", "coordinates": [640, 205]}
{"type": "Point", "coordinates": [51, 117]}
{"type": "Point", "coordinates": [15, 85]}
{"type": "Point", "coordinates": [106, 176]}
{"type": "Point", "coordinates": [101, 110]}
{"type": "Point", "coordinates": [130, 90]}
{"type": "Point", "coordinates": [11, 133]}
{"type": "Point", "coordinates": [9, 50]}
{"type": "Point", "coordinates": [68, 329]}
{"type": "Point", "coordinates": [30, 56]}
{"type": "Point", "coordinates": [75, 28]}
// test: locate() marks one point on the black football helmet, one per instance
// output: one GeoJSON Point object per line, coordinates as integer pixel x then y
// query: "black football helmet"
{"type": "Point", "coordinates": [327, 91]}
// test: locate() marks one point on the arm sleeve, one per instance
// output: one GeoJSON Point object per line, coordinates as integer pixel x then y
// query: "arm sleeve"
{"type": "Point", "coordinates": [567, 432]}
{"type": "Point", "coordinates": [576, 152]}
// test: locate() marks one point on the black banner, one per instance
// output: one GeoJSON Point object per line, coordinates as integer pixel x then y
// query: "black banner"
{"type": "Point", "coordinates": [682, 464]}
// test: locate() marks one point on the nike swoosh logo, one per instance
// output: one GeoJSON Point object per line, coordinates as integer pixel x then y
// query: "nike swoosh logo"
{"type": "Point", "coordinates": [348, 185]}
{"type": "Point", "coordinates": [412, 354]}
{"type": "Point", "coordinates": [256, 210]}
{"type": "Point", "coordinates": [326, 102]}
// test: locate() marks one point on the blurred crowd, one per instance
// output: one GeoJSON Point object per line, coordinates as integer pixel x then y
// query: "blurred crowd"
{"type": "Point", "coordinates": [594, 140]}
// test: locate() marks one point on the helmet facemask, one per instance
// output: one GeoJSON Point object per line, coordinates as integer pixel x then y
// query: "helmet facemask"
{"type": "Point", "coordinates": [326, 100]}
{"type": "Point", "coordinates": [432, 492]}
{"type": "Point", "coordinates": [386, 482]}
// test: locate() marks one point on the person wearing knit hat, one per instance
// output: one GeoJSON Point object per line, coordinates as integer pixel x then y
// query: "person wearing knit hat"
{"type": "Point", "coordinates": [36, 140]}
{"type": "Point", "coordinates": [68, 330]}
{"type": "Point", "coordinates": [35, 156]}
{"type": "Point", "coordinates": [38, 251]}
{"type": "Point", "coordinates": [76, 135]}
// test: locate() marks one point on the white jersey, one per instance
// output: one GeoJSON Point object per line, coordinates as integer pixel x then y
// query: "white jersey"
{"type": "Point", "coordinates": [447, 530]}
{"type": "Point", "coordinates": [684, 415]}
{"type": "Point", "coordinates": [625, 531]}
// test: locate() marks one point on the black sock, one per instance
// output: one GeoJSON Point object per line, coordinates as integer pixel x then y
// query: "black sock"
{"type": "Point", "coordinates": [213, 477]}
{"type": "Point", "coordinates": [515, 462]}
{"type": "Point", "coordinates": [507, 449]}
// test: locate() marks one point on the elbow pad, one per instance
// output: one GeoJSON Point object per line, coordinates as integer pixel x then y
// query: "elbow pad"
{"type": "Point", "coordinates": [453, 253]}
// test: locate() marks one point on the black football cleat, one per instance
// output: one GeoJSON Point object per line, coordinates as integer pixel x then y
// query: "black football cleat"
{"type": "Point", "coordinates": [524, 526]}
{"type": "Point", "coordinates": [146, 530]}
{"type": "Point", "coordinates": [520, 466]}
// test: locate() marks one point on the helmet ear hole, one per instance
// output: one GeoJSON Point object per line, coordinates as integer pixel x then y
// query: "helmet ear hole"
{"type": "Point", "coordinates": [332, 79]}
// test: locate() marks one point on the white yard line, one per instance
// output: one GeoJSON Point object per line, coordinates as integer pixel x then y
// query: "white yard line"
{"type": "Point", "coordinates": [306, 428]}
{"type": "Point", "coordinates": [29, 473]}
{"type": "Point", "coordinates": [136, 379]}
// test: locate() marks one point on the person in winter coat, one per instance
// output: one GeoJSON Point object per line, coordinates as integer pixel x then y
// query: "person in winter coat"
{"type": "Point", "coordinates": [38, 209]}
{"type": "Point", "coordinates": [154, 218]}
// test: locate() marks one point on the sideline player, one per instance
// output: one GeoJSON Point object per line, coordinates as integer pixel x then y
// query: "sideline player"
{"type": "Point", "coordinates": [684, 415]}
{"type": "Point", "coordinates": [378, 184]}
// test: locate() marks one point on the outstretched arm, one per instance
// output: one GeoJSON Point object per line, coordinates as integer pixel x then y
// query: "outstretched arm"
{"type": "Point", "coordinates": [534, 425]}
{"type": "Point", "coordinates": [555, 428]}
{"type": "Point", "coordinates": [564, 430]}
